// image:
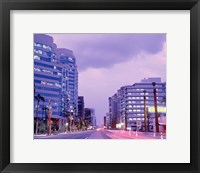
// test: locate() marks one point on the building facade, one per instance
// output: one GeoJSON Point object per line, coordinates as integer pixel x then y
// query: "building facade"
{"type": "Point", "coordinates": [113, 110]}
{"type": "Point", "coordinates": [81, 107]}
{"type": "Point", "coordinates": [108, 121]}
{"type": "Point", "coordinates": [131, 103]}
{"type": "Point", "coordinates": [55, 81]}
{"type": "Point", "coordinates": [90, 118]}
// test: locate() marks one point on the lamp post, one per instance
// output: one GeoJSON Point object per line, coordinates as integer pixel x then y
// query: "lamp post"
{"type": "Point", "coordinates": [66, 127]}
{"type": "Point", "coordinates": [155, 106]}
{"type": "Point", "coordinates": [145, 114]}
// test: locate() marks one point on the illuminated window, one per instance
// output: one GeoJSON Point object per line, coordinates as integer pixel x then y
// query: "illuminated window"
{"type": "Point", "coordinates": [36, 57]}
{"type": "Point", "coordinates": [69, 58]}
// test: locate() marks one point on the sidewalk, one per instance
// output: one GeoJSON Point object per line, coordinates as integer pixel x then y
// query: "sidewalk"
{"type": "Point", "coordinates": [136, 135]}
{"type": "Point", "coordinates": [60, 133]}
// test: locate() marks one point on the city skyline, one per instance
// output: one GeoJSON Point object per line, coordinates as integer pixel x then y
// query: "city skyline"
{"type": "Point", "coordinates": [106, 61]}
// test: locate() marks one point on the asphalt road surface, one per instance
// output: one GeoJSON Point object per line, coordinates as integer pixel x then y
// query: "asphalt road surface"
{"type": "Point", "coordinates": [102, 134]}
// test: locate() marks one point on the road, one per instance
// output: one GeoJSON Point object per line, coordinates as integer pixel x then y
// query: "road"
{"type": "Point", "coordinates": [103, 134]}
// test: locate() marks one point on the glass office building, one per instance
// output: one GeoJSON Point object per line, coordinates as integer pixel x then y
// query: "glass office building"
{"type": "Point", "coordinates": [129, 102]}
{"type": "Point", "coordinates": [55, 80]}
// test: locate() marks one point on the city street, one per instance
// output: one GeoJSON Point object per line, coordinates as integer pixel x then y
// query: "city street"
{"type": "Point", "coordinates": [103, 134]}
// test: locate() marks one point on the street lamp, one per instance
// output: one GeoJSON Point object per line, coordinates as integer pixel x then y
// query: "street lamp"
{"type": "Point", "coordinates": [145, 114]}
{"type": "Point", "coordinates": [155, 105]}
{"type": "Point", "coordinates": [66, 127]}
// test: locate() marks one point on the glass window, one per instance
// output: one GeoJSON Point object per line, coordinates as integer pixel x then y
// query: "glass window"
{"type": "Point", "coordinates": [36, 57]}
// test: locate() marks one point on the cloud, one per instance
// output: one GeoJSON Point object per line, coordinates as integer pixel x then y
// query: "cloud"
{"type": "Point", "coordinates": [107, 50]}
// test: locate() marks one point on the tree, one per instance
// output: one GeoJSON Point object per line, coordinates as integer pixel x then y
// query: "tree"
{"type": "Point", "coordinates": [145, 112]}
{"type": "Point", "coordinates": [38, 97]}
{"type": "Point", "coordinates": [155, 106]}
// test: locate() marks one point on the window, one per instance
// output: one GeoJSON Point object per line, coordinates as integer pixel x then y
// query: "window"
{"type": "Point", "coordinates": [43, 83]}
{"type": "Point", "coordinates": [38, 51]}
{"type": "Point", "coordinates": [36, 57]}
{"type": "Point", "coordinates": [70, 59]}
{"type": "Point", "coordinates": [37, 45]}
{"type": "Point", "coordinates": [58, 85]}
{"type": "Point", "coordinates": [37, 69]}
{"type": "Point", "coordinates": [49, 84]}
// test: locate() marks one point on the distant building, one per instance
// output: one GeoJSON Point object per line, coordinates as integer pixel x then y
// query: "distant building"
{"type": "Point", "coordinates": [113, 111]}
{"type": "Point", "coordinates": [104, 121]}
{"type": "Point", "coordinates": [130, 104]}
{"type": "Point", "coordinates": [81, 107]}
{"type": "Point", "coordinates": [108, 121]}
{"type": "Point", "coordinates": [90, 118]}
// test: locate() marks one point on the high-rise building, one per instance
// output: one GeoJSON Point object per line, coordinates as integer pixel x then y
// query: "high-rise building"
{"type": "Point", "coordinates": [130, 104]}
{"type": "Point", "coordinates": [55, 81]}
{"type": "Point", "coordinates": [81, 107]}
{"type": "Point", "coordinates": [69, 81]}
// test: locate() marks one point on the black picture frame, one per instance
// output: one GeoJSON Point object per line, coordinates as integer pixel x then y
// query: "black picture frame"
{"type": "Point", "coordinates": [7, 5]}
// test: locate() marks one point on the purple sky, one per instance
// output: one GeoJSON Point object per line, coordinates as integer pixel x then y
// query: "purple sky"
{"type": "Point", "coordinates": [108, 61]}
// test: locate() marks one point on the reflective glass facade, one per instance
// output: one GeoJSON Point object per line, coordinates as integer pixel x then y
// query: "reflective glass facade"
{"type": "Point", "coordinates": [55, 78]}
